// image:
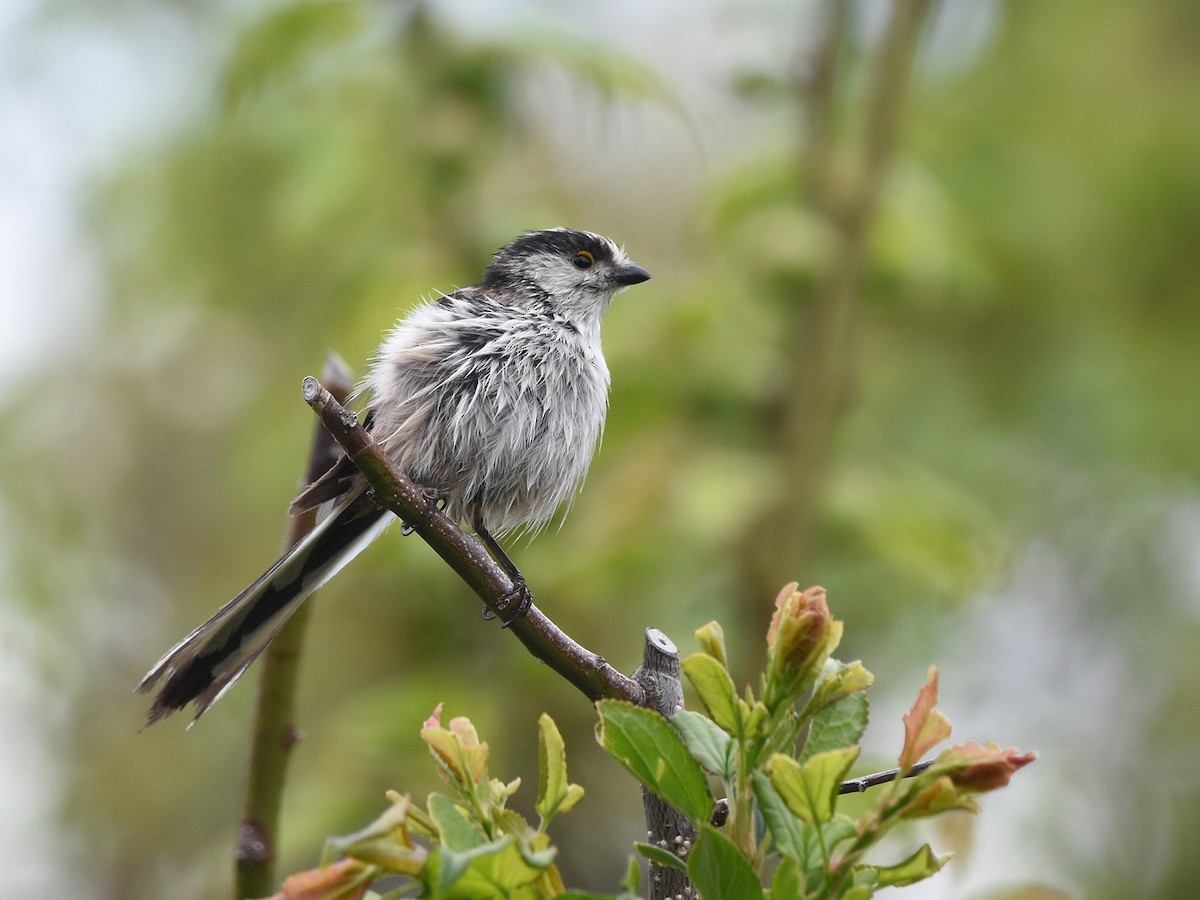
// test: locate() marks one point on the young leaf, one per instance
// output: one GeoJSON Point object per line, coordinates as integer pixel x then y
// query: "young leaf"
{"type": "Point", "coordinates": [840, 724]}
{"type": "Point", "coordinates": [719, 870]}
{"type": "Point", "coordinates": [458, 748]}
{"type": "Point", "coordinates": [976, 768]}
{"type": "Point", "coordinates": [633, 877]}
{"type": "Point", "coordinates": [916, 868]}
{"type": "Point", "coordinates": [841, 680]}
{"type": "Point", "coordinates": [346, 879]}
{"type": "Point", "coordinates": [712, 639]}
{"type": "Point", "coordinates": [816, 847]}
{"type": "Point", "coordinates": [788, 881]}
{"type": "Point", "coordinates": [786, 829]}
{"type": "Point", "coordinates": [924, 726]}
{"type": "Point", "coordinates": [715, 687]}
{"type": "Point", "coordinates": [385, 841]}
{"type": "Point", "coordinates": [496, 869]}
{"type": "Point", "coordinates": [810, 790]}
{"type": "Point", "coordinates": [441, 870]}
{"type": "Point", "coordinates": [555, 793]}
{"type": "Point", "coordinates": [658, 855]}
{"type": "Point", "coordinates": [708, 743]}
{"type": "Point", "coordinates": [454, 831]}
{"type": "Point", "coordinates": [653, 752]}
{"type": "Point", "coordinates": [938, 796]}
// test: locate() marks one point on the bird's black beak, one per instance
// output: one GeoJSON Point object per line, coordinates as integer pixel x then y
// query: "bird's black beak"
{"type": "Point", "coordinates": [630, 274]}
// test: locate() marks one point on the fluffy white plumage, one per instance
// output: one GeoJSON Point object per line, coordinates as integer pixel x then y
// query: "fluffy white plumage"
{"type": "Point", "coordinates": [493, 396]}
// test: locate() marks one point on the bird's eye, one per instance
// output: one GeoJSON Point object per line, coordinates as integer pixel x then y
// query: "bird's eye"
{"type": "Point", "coordinates": [583, 260]}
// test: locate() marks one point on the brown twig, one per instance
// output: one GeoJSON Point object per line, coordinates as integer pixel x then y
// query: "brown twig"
{"type": "Point", "coordinates": [465, 554]}
{"type": "Point", "coordinates": [275, 731]}
{"type": "Point", "coordinates": [858, 785]}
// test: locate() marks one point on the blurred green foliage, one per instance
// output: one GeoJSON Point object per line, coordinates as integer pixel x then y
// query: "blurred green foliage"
{"type": "Point", "coordinates": [1021, 385]}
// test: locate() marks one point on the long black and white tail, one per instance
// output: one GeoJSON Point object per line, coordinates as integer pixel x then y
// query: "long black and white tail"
{"type": "Point", "coordinates": [207, 662]}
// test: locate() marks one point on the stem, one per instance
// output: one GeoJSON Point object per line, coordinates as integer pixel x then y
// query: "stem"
{"type": "Point", "coordinates": [858, 785]}
{"type": "Point", "coordinates": [275, 732]}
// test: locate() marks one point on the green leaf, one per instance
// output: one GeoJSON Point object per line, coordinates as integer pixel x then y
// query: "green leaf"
{"type": "Point", "coordinates": [539, 859]}
{"type": "Point", "coordinates": [810, 790]}
{"type": "Point", "coordinates": [653, 752]}
{"type": "Point", "coordinates": [715, 688]}
{"type": "Point", "coordinates": [916, 868]}
{"type": "Point", "coordinates": [658, 855]}
{"type": "Point", "coordinates": [840, 828]}
{"type": "Point", "coordinates": [788, 881]}
{"type": "Point", "coordinates": [385, 842]}
{"type": "Point", "coordinates": [754, 718]}
{"type": "Point", "coordinates": [838, 680]}
{"type": "Point", "coordinates": [924, 798]}
{"type": "Point", "coordinates": [454, 830]}
{"type": "Point", "coordinates": [719, 871]}
{"type": "Point", "coordinates": [817, 847]}
{"type": "Point", "coordinates": [496, 869]}
{"type": "Point", "coordinates": [838, 725]}
{"type": "Point", "coordinates": [441, 870]}
{"type": "Point", "coordinates": [787, 831]}
{"type": "Point", "coordinates": [708, 743]}
{"type": "Point", "coordinates": [555, 793]}
{"type": "Point", "coordinates": [633, 877]}
{"type": "Point", "coordinates": [389, 854]}
{"type": "Point", "coordinates": [712, 639]}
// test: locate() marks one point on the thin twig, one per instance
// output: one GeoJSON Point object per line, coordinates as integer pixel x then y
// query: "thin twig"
{"type": "Point", "coordinates": [466, 555]}
{"type": "Point", "coordinates": [858, 785]}
{"type": "Point", "coordinates": [275, 731]}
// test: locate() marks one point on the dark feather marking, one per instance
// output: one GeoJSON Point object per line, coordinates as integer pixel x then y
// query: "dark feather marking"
{"type": "Point", "coordinates": [188, 683]}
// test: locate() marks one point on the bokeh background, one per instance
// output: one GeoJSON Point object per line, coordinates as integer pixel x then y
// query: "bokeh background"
{"type": "Point", "coordinates": [924, 328]}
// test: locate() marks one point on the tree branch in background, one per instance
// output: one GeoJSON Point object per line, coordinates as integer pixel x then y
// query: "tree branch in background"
{"type": "Point", "coordinates": [465, 554]}
{"type": "Point", "coordinates": [842, 181]}
{"type": "Point", "coordinates": [275, 731]}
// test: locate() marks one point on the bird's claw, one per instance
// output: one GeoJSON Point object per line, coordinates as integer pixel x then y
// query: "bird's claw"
{"type": "Point", "coordinates": [519, 596]}
{"type": "Point", "coordinates": [434, 496]}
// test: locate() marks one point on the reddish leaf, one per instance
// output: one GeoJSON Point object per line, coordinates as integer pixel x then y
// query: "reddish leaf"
{"type": "Point", "coordinates": [346, 879]}
{"type": "Point", "coordinates": [924, 726]}
{"type": "Point", "coordinates": [976, 768]}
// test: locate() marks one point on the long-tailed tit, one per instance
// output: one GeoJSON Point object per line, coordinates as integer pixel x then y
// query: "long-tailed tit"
{"type": "Point", "coordinates": [492, 398]}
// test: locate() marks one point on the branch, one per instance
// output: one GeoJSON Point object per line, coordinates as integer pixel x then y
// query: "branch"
{"type": "Point", "coordinates": [465, 554]}
{"type": "Point", "coordinates": [888, 83]}
{"type": "Point", "coordinates": [666, 827]}
{"type": "Point", "coordinates": [843, 181]}
{"type": "Point", "coordinates": [275, 731]}
{"type": "Point", "coordinates": [858, 785]}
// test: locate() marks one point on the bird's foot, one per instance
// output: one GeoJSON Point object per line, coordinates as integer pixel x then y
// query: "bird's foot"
{"type": "Point", "coordinates": [435, 497]}
{"type": "Point", "coordinates": [518, 599]}
{"type": "Point", "coordinates": [432, 496]}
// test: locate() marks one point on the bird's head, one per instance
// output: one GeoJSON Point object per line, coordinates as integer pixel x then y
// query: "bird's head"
{"type": "Point", "coordinates": [577, 271]}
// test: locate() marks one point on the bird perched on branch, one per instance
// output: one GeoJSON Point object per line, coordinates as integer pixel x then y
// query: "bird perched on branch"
{"type": "Point", "coordinates": [491, 397]}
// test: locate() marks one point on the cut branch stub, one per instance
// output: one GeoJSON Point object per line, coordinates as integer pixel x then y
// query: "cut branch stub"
{"type": "Point", "coordinates": [666, 828]}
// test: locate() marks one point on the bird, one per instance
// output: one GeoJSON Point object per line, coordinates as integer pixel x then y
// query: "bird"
{"type": "Point", "coordinates": [492, 398]}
